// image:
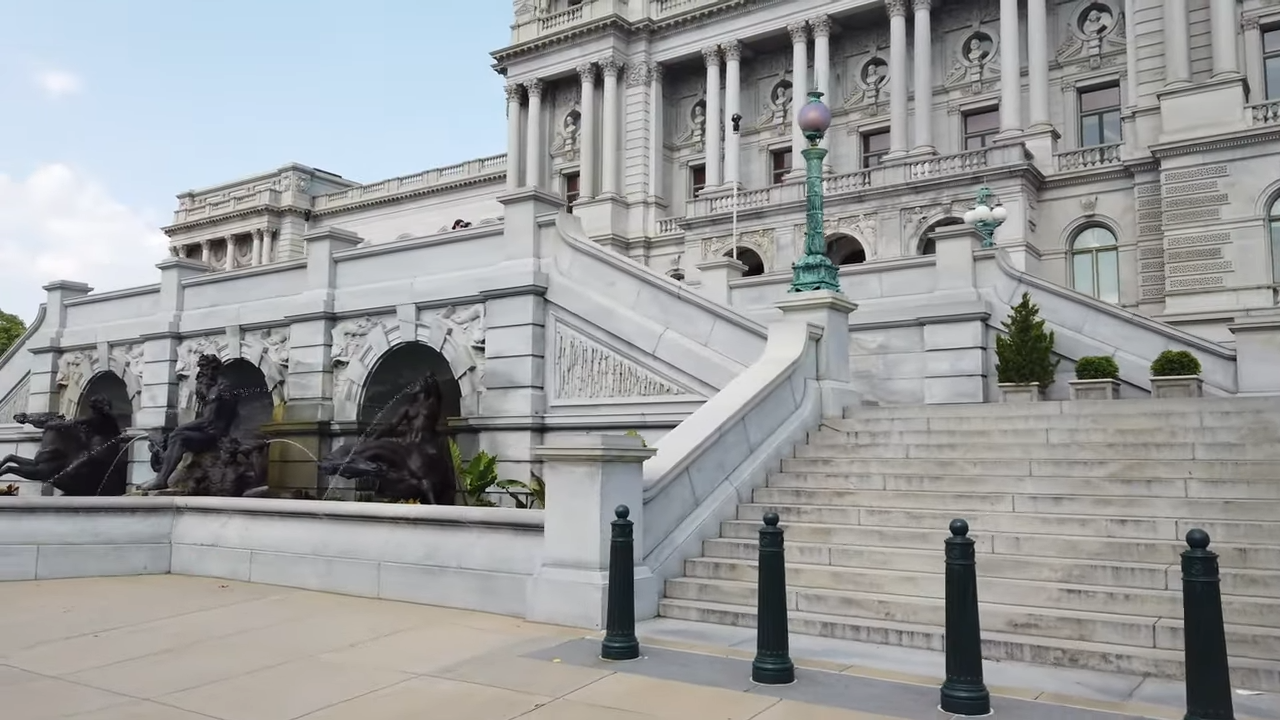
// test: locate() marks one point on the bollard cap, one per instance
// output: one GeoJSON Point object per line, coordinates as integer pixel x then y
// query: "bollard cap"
{"type": "Point", "coordinates": [771, 519]}
{"type": "Point", "coordinates": [959, 527]}
{"type": "Point", "coordinates": [622, 512]}
{"type": "Point", "coordinates": [1197, 539]}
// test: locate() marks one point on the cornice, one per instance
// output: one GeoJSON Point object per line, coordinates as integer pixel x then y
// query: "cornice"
{"type": "Point", "coordinates": [1090, 175]}
{"type": "Point", "coordinates": [500, 176]}
{"type": "Point", "coordinates": [234, 215]}
{"type": "Point", "coordinates": [1252, 136]}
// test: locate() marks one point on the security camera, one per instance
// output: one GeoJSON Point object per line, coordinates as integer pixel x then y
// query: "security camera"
{"type": "Point", "coordinates": [737, 122]}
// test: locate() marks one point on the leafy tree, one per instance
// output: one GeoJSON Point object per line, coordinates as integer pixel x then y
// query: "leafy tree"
{"type": "Point", "coordinates": [1025, 353]}
{"type": "Point", "coordinates": [11, 329]}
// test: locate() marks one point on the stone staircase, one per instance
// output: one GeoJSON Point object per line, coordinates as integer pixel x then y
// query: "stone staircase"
{"type": "Point", "coordinates": [1079, 510]}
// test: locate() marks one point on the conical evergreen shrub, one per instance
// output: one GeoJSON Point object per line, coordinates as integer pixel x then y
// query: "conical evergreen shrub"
{"type": "Point", "coordinates": [1025, 352]}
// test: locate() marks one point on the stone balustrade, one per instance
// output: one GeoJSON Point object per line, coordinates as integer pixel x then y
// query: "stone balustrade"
{"type": "Point", "coordinates": [494, 166]}
{"type": "Point", "coordinates": [1087, 158]}
{"type": "Point", "coordinates": [1267, 113]}
{"type": "Point", "coordinates": [213, 207]}
{"type": "Point", "coordinates": [670, 226]}
{"type": "Point", "coordinates": [948, 165]}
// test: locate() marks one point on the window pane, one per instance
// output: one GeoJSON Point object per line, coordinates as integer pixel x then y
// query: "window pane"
{"type": "Point", "coordinates": [1111, 132]}
{"type": "Point", "coordinates": [782, 160]}
{"type": "Point", "coordinates": [1275, 209]}
{"type": "Point", "coordinates": [1273, 77]}
{"type": "Point", "coordinates": [975, 142]}
{"type": "Point", "coordinates": [1108, 277]}
{"type": "Point", "coordinates": [1094, 237]}
{"type": "Point", "coordinates": [1100, 99]}
{"type": "Point", "coordinates": [1275, 251]}
{"type": "Point", "coordinates": [982, 122]}
{"type": "Point", "coordinates": [875, 142]}
{"type": "Point", "coordinates": [1082, 272]}
{"type": "Point", "coordinates": [1271, 41]}
{"type": "Point", "coordinates": [1090, 131]}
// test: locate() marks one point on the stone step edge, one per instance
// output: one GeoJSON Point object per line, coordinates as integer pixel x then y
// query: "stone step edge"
{"type": "Point", "coordinates": [1112, 499]}
{"type": "Point", "coordinates": [942, 535]}
{"type": "Point", "coordinates": [1018, 581]}
{"type": "Point", "coordinates": [1000, 646]}
{"type": "Point", "coordinates": [968, 476]}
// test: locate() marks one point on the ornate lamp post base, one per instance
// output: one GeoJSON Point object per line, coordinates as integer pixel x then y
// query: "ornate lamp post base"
{"type": "Point", "coordinates": [814, 270]}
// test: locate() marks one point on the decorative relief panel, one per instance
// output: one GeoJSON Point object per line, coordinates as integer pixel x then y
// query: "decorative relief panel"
{"type": "Point", "coordinates": [761, 241]}
{"type": "Point", "coordinates": [1200, 173]}
{"type": "Point", "coordinates": [586, 369]}
{"type": "Point", "coordinates": [268, 350]}
{"type": "Point", "coordinates": [1149, 203]}
{"type": "Point", "coordinates": [1191, 188]}
{"type": "Point", "coordinates": [1203, 253]}
{"type": "Point", "coordinates": [1146, 190]}
{"type": "Point", "coordinates": [128, 359]}
{"type": "Point", "coordinates": [1093, 37]}
{"type": "Point", "coordinates": [17, 401]}
{"type": "Point", "coordinates": [1192, 201]}
{"type": "Point", "coordinates": [1186, 216]}
{"type": "Point", "coordinates": [1150, 252]}
{"type": "Point", "coordinates": [1202, 239]}
{"type": "Point", "coordinates": [189, 352]}
{"type": "Point", "coordinates": [1201, 268]}
{"type": "Point", "coordinates": [1150, 215]}
{"type": "Point", "coordinates": [1196, 283]}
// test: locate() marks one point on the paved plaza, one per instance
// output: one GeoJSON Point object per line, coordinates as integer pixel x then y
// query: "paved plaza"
{"type": "Point", "coordinates": [183, 648]}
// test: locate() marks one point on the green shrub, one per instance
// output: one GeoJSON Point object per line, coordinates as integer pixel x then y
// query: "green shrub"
{"type": "Point", "coordinates": [479, 477]}
{"type": "Point", "coordinates": [1172, 363]}
{"type": "Point", "coordinates": [1025, 353]}
{"type": "Point", "coordinates": [1097, 367]}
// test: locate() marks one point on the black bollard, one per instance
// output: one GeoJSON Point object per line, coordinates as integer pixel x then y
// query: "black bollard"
{"type": "Point", "coordinates": [772, 665]}
{"type": "Point", "coordinates": [1208, 675]}
{"type": "Point", "coordinates": [620, 641]}
{"type": "Point", "coordinates": [963, 693]}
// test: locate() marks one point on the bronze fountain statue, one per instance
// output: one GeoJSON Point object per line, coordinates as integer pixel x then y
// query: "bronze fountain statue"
{"type": "Point", "coordinates": [78, 457]}
{"type": "Point", "coordinates": [406, 458]}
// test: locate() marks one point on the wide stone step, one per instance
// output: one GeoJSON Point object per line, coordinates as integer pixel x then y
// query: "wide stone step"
{"type": "Point", "coordinates": [1221, 469]}
{"type": "Point", "coordinates": [1193, 509]}
{"type": "Point", "coordinates": [1208, 488]}
{"type": "Point", "coordinates": [1240, 610]}
{"type": "Point", "coordinates": [982, 434]}
{"type": "Point", "coordinates": [1241, 556]}
{"type": "Point", "coordinates": [1144, 406]}
{"type": "Point", "coordinates": [1013, 420]}
{"type": "Point", "coordinates": [1246, 673]}
{"type": "Point", "coordinates": [1148, 576]}
{"type": "Point", "coordinates": [1044, 451]}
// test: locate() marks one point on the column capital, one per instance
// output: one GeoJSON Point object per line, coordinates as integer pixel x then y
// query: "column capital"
{"type": "Point", "coordinates": [534, 88]}
{"type": "Point", "coordinates": [1249, 23]}
{"type": "Point", "coordinates": [656, 72]}
{"type": "Point", "coordinates": [732, 50]}
{"type": "Point", "coordinates": [821, 26]}
{"type": "Point", "coordinates": [229, 237]}
{"type": "Point", "coordinates": [610, 66]}
{"type": "Point", "coordinates": [514, 92]}
{"type": "Point", "coordinates": [799, 32]}
{"type": "Point", "coordinates": [711, 55]}
{"type": "Point", "coordinates": [925, 5]}
{"type": "Point", "coordinates": [896, 8]}
{"type": "Point", "coordinates": [587, 72]}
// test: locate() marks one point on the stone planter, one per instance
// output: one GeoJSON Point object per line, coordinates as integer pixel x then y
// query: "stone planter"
{"type": "Point", "coordinates": [1104, 389]}
{"type": "Point", "coordinates": [1021, 393]}
{"type": "Point", "coordinates": [1177, 386]}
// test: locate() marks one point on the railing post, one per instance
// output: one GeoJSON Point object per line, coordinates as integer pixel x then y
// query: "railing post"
{"type": "Point", "coordinates": [772, 665]}
{"type": "Point", "coordinates": [963, 693]}
{"type": "Point", "coordinates": [620, 641]}
{"type": "Point", "coordinates": [1205, 642]}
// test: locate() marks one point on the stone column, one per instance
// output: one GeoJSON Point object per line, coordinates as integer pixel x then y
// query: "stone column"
{"type": "Point", "coordinates": [799, 90]}
{"type": "Point", "coordinates": [1038, 62]}
{"type": "Point", "coordinates": [711, 55]}
{"type": "Point", "coordinates": [1253, 62]}
{"type": "Point", "coordinates": [587, 477]}
{"type": "Point", "coordinates": [534, 143]}
{"type": "Point", "coordinates": [1222, 14]}
{"type": "Point", "coordinates": [587, 134]}
{"type": "Point", "coordinates": [898, 141]}
{"type": "Point", "coordinates": [923, 66]}
{"type": "Point", "coordinates": [821, 28]}
{"type": "Point", "coordinates": [656, 131]}
{"type": "Point", "coordinates": [268, 245]}
{"type": "Point", "coordinates": [513, 136]}
{"type": "Point", "coordinates": [1177, 40]}
{"type": "Point", "coordinates": [255, 257]}
{"type": "Point", "coordinates": [230, 262]}
{"type": "Point", "coordinates": [609, 149]}
{"type": "Point", "coordinates": [1010, 70]}
{"type": "Point", "coordinates": [204, 251]}
{"type": "Point", "coordinates": [732, 105]}
{"type": "Point", "coordinates": [1130, 60]}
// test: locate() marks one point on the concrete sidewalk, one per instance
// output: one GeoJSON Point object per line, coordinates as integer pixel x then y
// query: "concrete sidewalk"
{"type": "Point", "coordinates": [181, 648]}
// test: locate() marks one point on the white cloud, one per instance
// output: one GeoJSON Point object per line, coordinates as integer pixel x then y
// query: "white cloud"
{"type": "Point", "coordinates": [58, 83]}
{"type": "Point", "coordinates": [58, 224]}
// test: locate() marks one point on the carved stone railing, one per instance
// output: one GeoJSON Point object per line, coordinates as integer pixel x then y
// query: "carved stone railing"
{"type": "Point", "coordinates": [665, 8]}
{"type": "Point", "coordinates": [670, 226]}
{"type": "Point", "coordinates": [849, 182]}
{"type": "Point", "coordinates": [945, 165]}
{"type": "Point", "coordinates": [488, 166]}
{"type": "Point", "coordinates": [743, 200]}
{"type": "Point", "coordinates": [1086, 158]}
{"type": "Point", "coordinates": [1267, 113]}
{"type": "Point", "coordinates": [216, 206]}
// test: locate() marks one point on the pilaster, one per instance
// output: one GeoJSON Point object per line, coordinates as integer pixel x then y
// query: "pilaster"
{"type": "Point", "coordinates": [43, 387]}
{"type": "Point", "coordinates": [1257, 353]}
{"type": "Point", "coordinates": [955, 343]}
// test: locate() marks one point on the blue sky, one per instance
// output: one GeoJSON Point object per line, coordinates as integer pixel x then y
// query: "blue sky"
{"type": "Point", "coordinates": [110, 108]}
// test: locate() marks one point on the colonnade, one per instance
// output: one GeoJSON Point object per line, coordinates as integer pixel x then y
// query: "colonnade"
{"type": "Point", "coordinates": [1177, 41]}
{"type": "Point", "coordinates": [264, 250]}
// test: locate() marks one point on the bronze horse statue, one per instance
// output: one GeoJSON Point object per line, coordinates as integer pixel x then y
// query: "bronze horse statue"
{"type": "Point", "coordinates": [78, 457]}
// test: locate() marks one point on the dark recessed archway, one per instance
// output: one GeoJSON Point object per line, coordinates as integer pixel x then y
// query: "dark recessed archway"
{"type": "Point", "coordinates": [927, 246]}
{"type": "Point", "coordinates": [110, 386]}
{"type": "Point", "coordinates": [397, 374]}
{"type": "Point", "coordinates": [843, 249]}
{"type": "Point", "coordinates": [750, 258]}
{"type": "Point", "coordinates": [249, 384]}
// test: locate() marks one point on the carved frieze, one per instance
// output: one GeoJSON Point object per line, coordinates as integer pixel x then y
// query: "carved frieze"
{"type": "Point", "coordinates": [862, 227]}
{"type": "Point", "coordinates": [1094, 31]}
{"type": "Point", "coordinates": [189, 352]}
{"type": "Point", "coordinates": [586, 369]}
{"type": "Point", "coordinates": [74, 370]}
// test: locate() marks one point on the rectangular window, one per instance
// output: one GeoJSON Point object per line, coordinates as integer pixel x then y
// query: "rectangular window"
{"type": "Point", "coordinates": [697, 179]}
{"type": "Point", "coordinates": [1271, 62]}
{"type": "Point", "coordinates": [1100, 116]}
{"type": "Point", "coordinates": [875, 145]}
{"type": "Point", "coordinates": [780, 165]}
{"type": "Point", "coordinates": [980, 127]}
{"type": "Point", "coordinates": [572, 190]}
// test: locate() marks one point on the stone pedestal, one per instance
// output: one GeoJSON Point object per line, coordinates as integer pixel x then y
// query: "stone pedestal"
{"type": "Point", "coordinates": [1212, 107]}
{"type": "Point", "coordinates": [716, 275]}
{"type": "Point", "coordinates": [1257, 354]}
{"type": "Point", "coordinates": [1042, 143]}
{"type": "Point", "coordinates": [1021, 392]}
{"type": "Point", "coordinates": [1094, 389]}
{"type": "Point", "coordinates": [830, 311]}
{"type": "Point", "coordinates": [955, 344]}
{"type": "Point", "coordinates": [1177, 387]}
{"type": "Point", "coordinates": [604, 220]}
{"type": "Point", "coordinates": [587, 477]}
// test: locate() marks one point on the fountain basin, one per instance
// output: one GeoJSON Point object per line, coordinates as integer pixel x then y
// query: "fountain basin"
{"type": "Point", "coordinates": [453, 556]}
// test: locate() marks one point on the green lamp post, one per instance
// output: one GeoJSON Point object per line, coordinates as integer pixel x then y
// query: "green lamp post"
{"type": "Point", "coordinates": [814, 271]}
{"type": "Point", "coordinates": [984, 218]}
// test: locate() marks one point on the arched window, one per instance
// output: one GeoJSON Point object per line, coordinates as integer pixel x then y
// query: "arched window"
{"type": "Point", "coordinates": [927, 246]}
{"type": "Point", "coordinates": [1094, 264]}
{"type": "Point", "coordinates": [1273, 221]}
{"type": "Point", "coordinates": [750, 258]}
{"type": "Point", "coordinates": [845, 249]}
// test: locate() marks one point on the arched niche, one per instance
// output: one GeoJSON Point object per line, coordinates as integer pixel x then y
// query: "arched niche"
{"type": "Point", "coordinates": [247, 382]}
{"type": "Point", "coordinates": [113, 388]}
{"type": "Point", "coordinates": [926, 244]}
{"type": "Point", "coordinates": [750, 258]}
{"type": "Point", "coordinates": [844, 249]}
{"type": "Point", "coordinates": [396, 375]}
